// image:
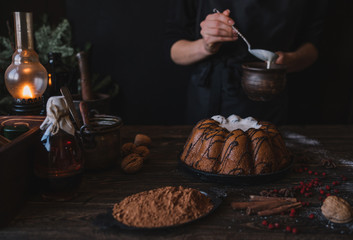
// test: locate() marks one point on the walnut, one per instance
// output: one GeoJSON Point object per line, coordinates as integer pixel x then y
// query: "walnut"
{"type": "Point", "coordinates": [132, 163]}
{"type": "Point", "coordinates": [127, 149]}
{"type": "Point", "coordinates": [337, 210]}
{"type": "Point", "coordinates": [142, 140]}
{"type": "Point", "coordinates": [143, 151]}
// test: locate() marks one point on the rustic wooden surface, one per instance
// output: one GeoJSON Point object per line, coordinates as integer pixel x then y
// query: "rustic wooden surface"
{"type": "Point", "coordinates": [99, 191]}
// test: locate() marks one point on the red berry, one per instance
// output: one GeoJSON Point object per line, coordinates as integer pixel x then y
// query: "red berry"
{"type": "Point", "coordinates": [311, 216]}
{"type": "Point", "coordinates": [271, 226]}
{"type": "Point", "coordinates": [322, 192]}
{"type": "Point", "coordinates": [276, 225]}
{"type": "Point", "coordinates": [308, 194]}
{"type": "Point", "coordinates": [336, 191]}
{"type": "Point", "coordinates": [328, 187]}
{"type": "Point", "coordinates": [310, 172]}
{"type": "Point", "coordinates": [294, 230]}
{"type": "Point", "coordinates": [292, 210]}
{"type": "Point", "coordinates": [305, 169]}
{"type": "Point", "coordinates": [316, 173]}
{"type": "Point", "coordinates": [288, 229]}
{"type": "Point", "coordinates": [328, 194]}
{"type": "Point", "coordinates": [264, 222]}
{"type": "Point", "coordinates": [334, 183]}
{"type": "Point", "coordinates": [324, 174]}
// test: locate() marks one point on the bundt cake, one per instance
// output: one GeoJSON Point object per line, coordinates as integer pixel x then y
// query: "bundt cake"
{"type": "Point", "coordinates": [235, 146]}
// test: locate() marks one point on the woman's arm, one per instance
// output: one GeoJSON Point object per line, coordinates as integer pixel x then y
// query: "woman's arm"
{"type": "Point", "coordinates": [215, 29]}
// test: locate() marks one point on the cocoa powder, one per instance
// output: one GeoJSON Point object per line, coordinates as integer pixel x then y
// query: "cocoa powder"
{"type": "Point", "coordinates": [162, 207]}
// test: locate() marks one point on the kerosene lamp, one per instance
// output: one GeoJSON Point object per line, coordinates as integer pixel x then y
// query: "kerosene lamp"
{"type": "Point", "coordinates": [26, 78]}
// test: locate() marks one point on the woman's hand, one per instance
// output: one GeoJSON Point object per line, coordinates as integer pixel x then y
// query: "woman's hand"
{"type": "Point", "coordinates": [300, 59]}
{"type": "Point", "coordinates": [215, 29]}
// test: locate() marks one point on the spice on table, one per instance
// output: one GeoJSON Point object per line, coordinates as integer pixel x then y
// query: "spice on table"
{"type": "Point", "coordinates": [280, 209]}
{"type": "Point", "coordinates": [264, 206]}
{"type": "Point", "coordinates": [166, 206]}
{"type": "Point", "coordinates": [328, 163]}
{"type": "Point", "coordinates": [283, 192]}
{"type": "Point", "coordinates": [262, 198]}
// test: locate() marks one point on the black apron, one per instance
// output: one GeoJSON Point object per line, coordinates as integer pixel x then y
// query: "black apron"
{"type": "Point", "coordinates": [215, 89]}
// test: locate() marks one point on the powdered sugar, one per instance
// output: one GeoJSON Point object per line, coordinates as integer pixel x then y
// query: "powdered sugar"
{"type": "Point", "coordinates": [301, 139]}
{"type": "Point", "coordinates": [234, 122]}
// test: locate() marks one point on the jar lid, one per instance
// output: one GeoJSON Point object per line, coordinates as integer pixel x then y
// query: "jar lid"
{"type": "Point", "coordinates": [12, 132]}
{"type": "Point", "coordinates": [103, 123]}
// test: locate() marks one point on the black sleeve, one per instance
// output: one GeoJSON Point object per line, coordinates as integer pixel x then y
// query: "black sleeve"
{"type": "Point", "coordinates": [314, 21]}
{"type": "Point", "coordinates": [180, 22]}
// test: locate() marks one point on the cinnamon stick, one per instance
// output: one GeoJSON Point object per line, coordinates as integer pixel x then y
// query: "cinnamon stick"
{"type": "Point", "coordinates": [265, 205]}
{"type": "Point", "coordinates": [262, 198]}
{"type": "Point", "coordinates": [280, 209]}
{"type": "Point", "coordinates": [241, 205]}
{"type": "Point", "coordinates": [259, 204]}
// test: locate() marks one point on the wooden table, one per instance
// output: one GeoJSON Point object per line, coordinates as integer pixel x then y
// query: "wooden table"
{"type": "Point", "coordinates": [76, 219]}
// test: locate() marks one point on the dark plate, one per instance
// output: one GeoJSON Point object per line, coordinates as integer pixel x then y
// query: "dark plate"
{"type": "Point", "coordinates": [106, 221]}
{"type": "Point", "coordinates": [236, 179]}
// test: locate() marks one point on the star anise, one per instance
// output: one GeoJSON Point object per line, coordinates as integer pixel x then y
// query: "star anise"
{"type": "Point", "coordinates": [283, 192]}
{"type": "Point", "coordinates": [328, 163]}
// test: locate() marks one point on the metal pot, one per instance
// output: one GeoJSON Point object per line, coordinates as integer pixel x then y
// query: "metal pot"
{"type": "Point", "coordinates": [261, 83]}
{"type": "Point", "coordinates": [101, 141]}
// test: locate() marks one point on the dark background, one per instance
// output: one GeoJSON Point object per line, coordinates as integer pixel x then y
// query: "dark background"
{"type": "Point", "coordinates": [127, 44]}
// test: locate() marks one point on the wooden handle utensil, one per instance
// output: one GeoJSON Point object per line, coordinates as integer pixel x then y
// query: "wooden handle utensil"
{"type": "Point", "coordinates": [86, 89]}
{"type": "Point", "coordinates": [84, 113]}
{"type": "Point", "coordinates": [67, 95]}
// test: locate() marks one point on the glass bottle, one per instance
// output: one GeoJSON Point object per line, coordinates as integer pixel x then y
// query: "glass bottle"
{"type": "Point", "coordinates": [59, 171]}
{"type": "Point", "coordinates": [59, 75]}
{"type": "Point", "coordinates": [58, 164]}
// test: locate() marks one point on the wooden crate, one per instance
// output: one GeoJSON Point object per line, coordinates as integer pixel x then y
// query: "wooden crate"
{"type": "Point", "coordinates": [16, 161]}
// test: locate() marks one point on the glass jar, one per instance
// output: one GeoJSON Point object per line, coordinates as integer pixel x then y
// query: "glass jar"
{"type": "Point", "coordinates": [59, 171]}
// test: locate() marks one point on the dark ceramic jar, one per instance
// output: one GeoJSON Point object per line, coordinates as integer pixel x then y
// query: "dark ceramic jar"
{"type": "Point", "coordinates": [261, 83]}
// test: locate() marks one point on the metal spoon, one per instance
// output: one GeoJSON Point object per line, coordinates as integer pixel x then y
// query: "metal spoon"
{"type": "Point", "coordinates": [262, 54]}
